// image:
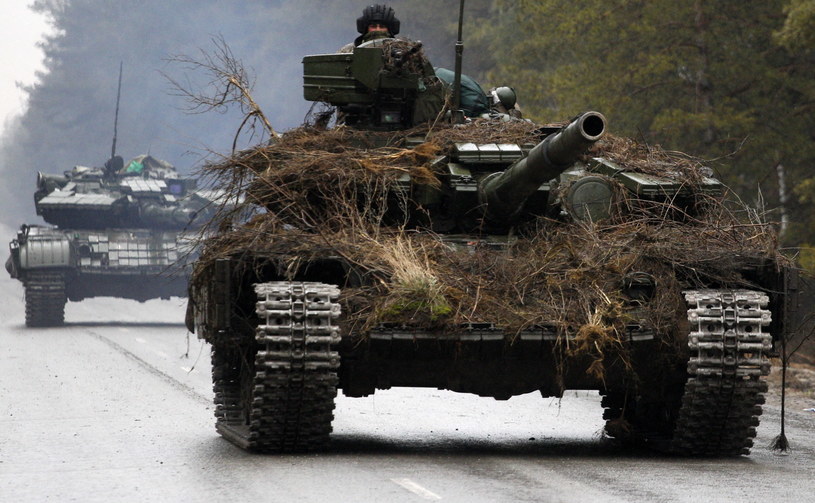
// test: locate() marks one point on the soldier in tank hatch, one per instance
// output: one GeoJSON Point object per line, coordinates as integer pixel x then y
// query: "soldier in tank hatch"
{"type": "Point", "coordinates": [377, 21]}
{"type": "Point", "coordinates": [504, 100]}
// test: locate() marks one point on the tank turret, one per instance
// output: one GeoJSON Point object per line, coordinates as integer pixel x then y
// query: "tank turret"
{"type": "Point", "coordinates": [145, 193]}
{"type": "Point", "coordinates": [504, 193]}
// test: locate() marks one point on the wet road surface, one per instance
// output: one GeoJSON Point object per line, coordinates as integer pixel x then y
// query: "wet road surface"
{"type": "Point", "coordinates": [116, 406]}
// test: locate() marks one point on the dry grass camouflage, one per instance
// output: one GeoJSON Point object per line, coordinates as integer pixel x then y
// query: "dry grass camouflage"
{"type": "Point", "coordinates": [318, 193]}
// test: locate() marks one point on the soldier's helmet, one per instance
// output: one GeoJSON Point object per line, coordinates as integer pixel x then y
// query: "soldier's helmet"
{"type": "Point", "coordinates": [380, 14]}
{"type": "Point", "coordinates": [504, 95]}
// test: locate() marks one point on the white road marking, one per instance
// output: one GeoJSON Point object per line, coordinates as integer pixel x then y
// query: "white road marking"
{"type": "Point", "coordinates": [162, 354]}
{"type": "Point", "coordinates": [416, 489]}
{"type": "Point", "coordinates": [140, 340]}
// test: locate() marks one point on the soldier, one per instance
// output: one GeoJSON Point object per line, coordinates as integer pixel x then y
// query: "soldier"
{"type": "Point", "coordinates": [377, 21]}
{"type": "Point", "coordinates": [505, 101]}
{"type": "Point", "coordinates": [113, 166]}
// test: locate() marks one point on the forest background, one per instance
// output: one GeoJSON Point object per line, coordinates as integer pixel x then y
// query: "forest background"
{"type": "Point", "coordinates": [732, 82]}
{"type": "Point", "coordinates": [729, 81]}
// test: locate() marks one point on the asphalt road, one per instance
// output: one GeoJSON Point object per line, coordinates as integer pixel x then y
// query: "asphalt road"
{"type": "Point", "coordinates": [116, 406]}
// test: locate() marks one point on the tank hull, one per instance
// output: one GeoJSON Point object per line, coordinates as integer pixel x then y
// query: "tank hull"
{"type": "Point", "coordinates": [75, 264]}
{"type": "Point", "coordinates": [297, 336]}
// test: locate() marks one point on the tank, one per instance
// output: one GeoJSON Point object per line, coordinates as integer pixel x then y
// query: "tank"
{"type": "Point", "coordinates": [120, 231]}
{"type": "Point", "coordinates": [495, 257]}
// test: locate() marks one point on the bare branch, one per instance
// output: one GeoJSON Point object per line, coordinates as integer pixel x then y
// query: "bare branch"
{"type": "Point", "coordinates": [229, 84]}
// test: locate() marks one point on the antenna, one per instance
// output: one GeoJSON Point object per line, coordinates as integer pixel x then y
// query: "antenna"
{"type": "Point", "coordinates": [116, 119]}
{"type": "Point", "coordinates": [458, 116]}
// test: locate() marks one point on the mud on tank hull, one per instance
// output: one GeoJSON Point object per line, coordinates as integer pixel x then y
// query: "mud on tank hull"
{"type": "Point", "coordinates": [280, 352]}
{"type": "Point", "coordinates": [57, 265]}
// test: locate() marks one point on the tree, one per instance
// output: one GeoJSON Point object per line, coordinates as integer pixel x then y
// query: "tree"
{"type": "Point", "coordinates": [798, 31]}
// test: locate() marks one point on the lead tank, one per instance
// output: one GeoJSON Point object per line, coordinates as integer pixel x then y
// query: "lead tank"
{"type": "Point", "coordinates": [120, 231]}
{"type": "Point", "coordinates": [390, 252]}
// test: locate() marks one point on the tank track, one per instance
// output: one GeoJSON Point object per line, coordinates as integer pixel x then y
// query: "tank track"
{"type": "Point", "coordinates": [45, 299]}
{"type": "Point", "coordinates": [725, 390]}
{"type": "Point", "coordinates": [283, 399]}
{"type": "Point", "coordinates": [722, 398]}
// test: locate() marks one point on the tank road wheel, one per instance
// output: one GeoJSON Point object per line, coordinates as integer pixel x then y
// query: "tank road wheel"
{"type": "Point", "coordinates": [642, 421]}
{"type": "Point", "coordinates": [716, 412]}
{"type": "Point", "coordinates": [45, 299]}
{"type": "Point", "coordinates": [278, 395]}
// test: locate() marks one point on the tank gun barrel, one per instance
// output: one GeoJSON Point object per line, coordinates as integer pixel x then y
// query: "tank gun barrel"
{"type": "Point", "coordinates": [504, 193]}
{"type": "Point", "coordinates": [47, 184]}
{"type": "Point", "coordinates": [51, 182]}
{"type": "Point", "coordinates": [154, 215]}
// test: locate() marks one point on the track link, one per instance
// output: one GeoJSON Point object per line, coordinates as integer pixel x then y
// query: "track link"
{"type": "Point", "coordinates": [722, 397]}
{"type": "Point", "coordinates": [278, 395]}
{"type": "Point", "coordinates": [45, 299]}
